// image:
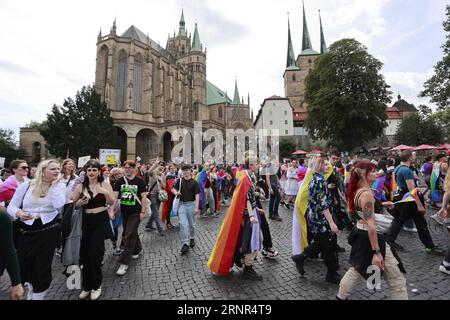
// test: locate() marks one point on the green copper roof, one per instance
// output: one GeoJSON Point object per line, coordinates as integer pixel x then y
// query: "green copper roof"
{"type": "Point", "coordinates": [196, 45]}
{"type": "Point", "coordinates": [309, 52]}
{"type": "Point", "coordinates": [214, 95]}
{"type": "Point", "coordinates": [236, 99]}
{"type": "Point", "coordinates": [306, 39]}
{"type": "Point", "coordinates": [292, 68]}
{"type": "Point", "coordinates": [323, 45]}
{"type": "Point", "coordinates": [182, 31]}
{"type": "Point", "coordinates": [290, 61]}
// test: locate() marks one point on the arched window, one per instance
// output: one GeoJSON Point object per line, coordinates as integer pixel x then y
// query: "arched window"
{"type": "Point", "coordinates": [120, 104]}
{"type": "Point", "coordinates": [137, 83]}
{"type": "Point", "coordinates": [293, 77]}
{"type": "Point", "coordinates": [220, 112]}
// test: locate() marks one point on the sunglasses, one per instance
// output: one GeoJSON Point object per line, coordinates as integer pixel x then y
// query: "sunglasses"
{"type": "Point", "coordinates": [24, 168]}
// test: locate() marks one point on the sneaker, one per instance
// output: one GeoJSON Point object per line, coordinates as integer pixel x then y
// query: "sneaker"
{"type": "Point", "coordinates": [437, 219]}
{"type": "Point", "coordinates": [192, 243]}
{"type": "Point", "coordinates": [333, 277]}
{"type": "Point", "coordinates": [184, 249]}
{"type": "Point", "coordinates": [299, 262]}
{"type": "Point", "coordinates": [95, 294]}
{"type": "Point", "coordinates": [84, 294]}
{"type": "Point", "coordinates": [269, 253]}
{"type": "Point", "coordinates": [122, 270]}
{"type": "Point", "coordinates": [135, 256]}
{"type": "Point", "coordinates": [29, 291]}
{"type": "Point", "coordinates": [117, 251]}
{"type": "Point", "coordinates": [215, 215]}
{"type": "Point", "coordinates": [170, 226]}
{"type": "Point", "coordinates": [148, 228]}
{"type": "Point", "coordinates": [435, 251]}
{"type": "Point", "coordinates": [444, 269]}
{"type": "Point", "coordinates": [250, 274]}
{"type": "Point", "coordinates": [286, 205]}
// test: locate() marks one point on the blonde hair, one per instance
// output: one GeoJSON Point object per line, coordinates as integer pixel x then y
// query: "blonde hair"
{"type": "Point", "coordinates": [40, 171]}
{"type": "Point", "coordinates": [114, 173]}
{"type": "Point", "coordinates": [316, 164]}
{"type": "Point", "coordinates": [63, 170]}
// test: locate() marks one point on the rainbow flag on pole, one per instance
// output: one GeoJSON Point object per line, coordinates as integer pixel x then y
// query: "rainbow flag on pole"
{"type": "Point", "coordinates": [221, 258]}
{"type": "Point", "coordinates": [436, 195]}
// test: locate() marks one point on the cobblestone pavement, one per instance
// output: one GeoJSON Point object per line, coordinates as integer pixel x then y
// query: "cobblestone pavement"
{"type": "Point", "coordinates": [161, 273]}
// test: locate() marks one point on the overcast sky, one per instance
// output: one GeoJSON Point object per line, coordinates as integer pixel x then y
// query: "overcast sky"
{"type": "Point", "coordinates": [48, 48]}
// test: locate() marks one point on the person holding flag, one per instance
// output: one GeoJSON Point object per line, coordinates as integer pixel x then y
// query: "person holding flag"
{"type": "Point", "coordinates": [405, 210]}
{"type": "Point", "coordinates": [239, 238]}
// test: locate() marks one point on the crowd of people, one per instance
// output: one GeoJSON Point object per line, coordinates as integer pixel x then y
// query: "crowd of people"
{"type": "Point", "coordinates": [326, 195]}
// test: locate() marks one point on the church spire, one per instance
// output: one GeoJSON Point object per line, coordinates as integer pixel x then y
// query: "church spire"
{"type": "Point", "coordinates": [114, 28]}
{"type": "Point", "coordinates": [196, 45]}
{"type": "Point", "coordinates": [236, 99]}
{"type": "Point", "coordinates": [323, 45]}
{"type": "Point", "coordinates": [290, 61]}
{"type": "Point", "coordinates": [306, 39]}
{"type": "Point", "coordinates": [182, 31]}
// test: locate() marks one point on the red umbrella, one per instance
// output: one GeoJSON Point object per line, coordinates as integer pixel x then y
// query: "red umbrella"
{"type": "Point", "coordinates": [424, 147]}
{"type": "Point", "coordinates": [444, 146]}
{"type": "Point", "coordinates": [317, 151]}
{"type": "Point", "coordinates": [300, 153]}
{"type": "Point", "coordinates": [401, 148]}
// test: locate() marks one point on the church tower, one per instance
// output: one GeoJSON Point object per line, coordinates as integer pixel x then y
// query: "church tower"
{"type": "Point", "coordinates": [197, 69]}
{"type": "Point", "coordinates": [179, 45]}
{"type": "Point", "coordinates": [292, 74]}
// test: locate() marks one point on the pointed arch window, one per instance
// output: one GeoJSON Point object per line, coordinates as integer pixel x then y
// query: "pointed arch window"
{"type": "Point", "coordinates": [137, 83]}
{"type": "Point", "coordinates": [220, 112]}
{"type": "Point", "coordinates": [120, 103]}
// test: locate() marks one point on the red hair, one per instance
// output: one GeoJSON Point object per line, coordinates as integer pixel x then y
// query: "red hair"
{"type": "Point", "coordinates": [361, 169]}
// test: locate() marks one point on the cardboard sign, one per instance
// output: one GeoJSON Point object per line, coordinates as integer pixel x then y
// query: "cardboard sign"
{"type": "Point", "coordinates": [109, 156]}
{"type": "Point", "coordinates": [2, 162]}
{"type": "Point", "coordinates": [138, 159]}
{"type": "Point", "coordinates": [83, 160]}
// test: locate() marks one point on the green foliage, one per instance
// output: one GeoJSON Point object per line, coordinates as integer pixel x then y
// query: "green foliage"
{"type": "Point", "coordinates": [80, 127]}
{"type": "Point", "coordinates": [438, 86]}
{"type": "Point", "coordinates": [346, 96]}
{"type": "Point", "coordinates": [419, 128]}
{"type": "Point", "coordinates": [287, 148]}
{"type": "Point", "coordinates": [8, 147]}
{"type": "Point", "coordinates": [442, 118]}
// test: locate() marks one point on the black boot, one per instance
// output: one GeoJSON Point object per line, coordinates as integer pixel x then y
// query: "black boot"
{"type": "Point", "coordinates": [251, 274]}
{"type": "Point", "coordinates": [299, 262]}
{"type": "Point", "coordinates": [333, 277]}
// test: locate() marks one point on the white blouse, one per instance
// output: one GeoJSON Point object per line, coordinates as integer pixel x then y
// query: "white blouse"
{"type": "Point", "coordinates": [45, 208]}
{"type": "Point", "coordinates": [70, 186]}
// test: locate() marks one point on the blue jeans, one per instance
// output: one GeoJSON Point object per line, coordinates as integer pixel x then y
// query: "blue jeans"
{"type": "Point", "coordinates": [274, 202]}
{"type": "Point", "coordinates": [187, 221]}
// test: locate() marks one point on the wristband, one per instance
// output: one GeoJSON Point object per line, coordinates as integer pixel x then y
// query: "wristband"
{"type": "Point", "coordinates": [376, 251]}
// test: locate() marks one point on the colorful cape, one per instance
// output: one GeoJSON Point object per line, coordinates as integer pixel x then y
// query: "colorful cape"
{"type": "Point", "coordinates": [221, 258]}
{"type": "Point", "coordinates": [167, 206]}
{"type": "Point", "coordinates": [436, 195]}
{"type": "Point", "coordinates": [299, 224]}
{"type": "Point", "coordinates": [201, 180]}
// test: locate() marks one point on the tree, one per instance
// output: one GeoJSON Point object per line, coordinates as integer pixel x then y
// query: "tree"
{"type": "Point", "coordinates": [419, 128]}
{"type": "Point", "coordinates": [438, 86]}
{"type": "Point", "coordinates": [8, 147]}
{"type": "Point", "coordinates": [287, 148]}
{"type": "Point", "coordinates": [346, 96]}
{"type": "Point", "coordinates": [80, 127]}
{"type": "Point", "coordinates": [442, 118]}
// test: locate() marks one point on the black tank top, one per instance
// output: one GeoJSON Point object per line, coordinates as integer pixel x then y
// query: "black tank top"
{"type": "Point", "coordinates": [96, 202]}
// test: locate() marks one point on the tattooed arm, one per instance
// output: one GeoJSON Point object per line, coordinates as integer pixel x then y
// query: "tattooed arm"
{"type": "Point", "coordinates": [368, 211]}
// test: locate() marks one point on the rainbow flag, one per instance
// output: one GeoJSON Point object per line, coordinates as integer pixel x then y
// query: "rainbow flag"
{"type": "Point", "coordinates": [201, 180]}
{"type": "Point", "coordinates": [409, 197]}
{"type": "Point", "coordinates": [378, 188]}
{"type": "Point", "coordinates": [221, 258]}
{"type": "Point", "coordinates": [299, 223]}
{"type": "Point", "coordinates": [436, 195]}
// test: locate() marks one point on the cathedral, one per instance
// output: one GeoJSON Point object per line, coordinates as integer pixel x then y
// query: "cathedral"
{"type": "Point", "coordinates": [153, 91]}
